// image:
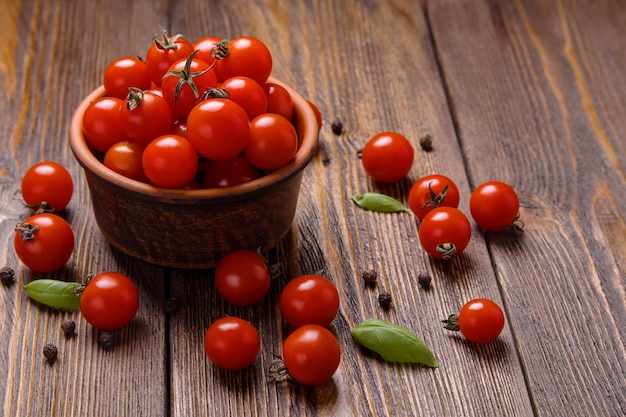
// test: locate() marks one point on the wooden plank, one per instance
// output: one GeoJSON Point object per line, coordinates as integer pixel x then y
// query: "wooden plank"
{"type": "Point", "coordinates": [371, 65]}
{"type": "Point", "coordinates": [54, 53]}
{"type": "Point", "coordinates": [539, 87]}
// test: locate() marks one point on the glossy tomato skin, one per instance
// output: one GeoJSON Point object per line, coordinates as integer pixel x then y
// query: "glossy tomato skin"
{"type": "Point", "coordinates": [279, 100]}
{"type": "Point", "coordinates": [170, 161]}
{"type": "Point", "coordinates": [146, 116]}
{"type": "Point", "coordinates": [163, 53]}
{"type": "Point", "coordinates": [309, 299]}
{"type": "Point", "coordinates": [440, 228]}
{"type": "Point", "coordinates": [205, 47]}
{"type": "Point", "coordinates": [481, 320]}
{"type": "Point", "coordinates": [49, 247]}
{"type": "Point", "coordinates": [218, 128]}
{"type": "Point", "coordinates": [123, 73]}
{"type": "Point", "coordinates": [246, 92]}
{"type": "Point", "coordinates": [109, 301]}
{"type": "Point", "coordinates": [230, 172]}
{"type": "Point", "coordinates": [182, 101]}
{"type": "Point", "coordinates": [248, 57]}
{"type": "Point", "coordinates": [242, 277]}
{"type": "Point", "coordinates": [48, 182]}
{"type": "Point", "coordinates": [311, 354]}
{"type": "Point", "coordinates": [232, 343]}
{"type": "Point", "coordinates": [387, 157]}
{"type": "Point", "coordinates": [273, 142]}
{"type": "Point", "coordinates": [494, 206]}
{"type": "Point", "coordinates": [426, 194]}
{"type": "Point", "coordinates": [102, 125]}
{"type": "Point", "coordinates": [125, 159]}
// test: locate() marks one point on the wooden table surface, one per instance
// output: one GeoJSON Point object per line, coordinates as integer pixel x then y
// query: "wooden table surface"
{"type": "Point", "coordinates": [532, 93]}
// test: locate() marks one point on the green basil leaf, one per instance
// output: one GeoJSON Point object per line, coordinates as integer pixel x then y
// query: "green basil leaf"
{"type": "Point", "coordinates": [379, 202]}
{"type": "Point", "coordinates": [54, 293]}
{"type": "Point", "coordinates": [393, 343]}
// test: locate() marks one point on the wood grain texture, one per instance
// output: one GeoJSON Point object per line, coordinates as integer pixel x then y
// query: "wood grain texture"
{"type": "Point", "coordinates": [528, 92]}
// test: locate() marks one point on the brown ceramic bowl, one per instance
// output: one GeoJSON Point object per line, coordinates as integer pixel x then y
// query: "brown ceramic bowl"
{"type": "Point", "coordinates": [195, 228]}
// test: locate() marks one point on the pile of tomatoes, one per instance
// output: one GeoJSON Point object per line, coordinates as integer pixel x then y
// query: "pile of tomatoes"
{"type": "Point", "coordinates": [308, 303]}
{"type": "Point", "coordinates": [200, 114]}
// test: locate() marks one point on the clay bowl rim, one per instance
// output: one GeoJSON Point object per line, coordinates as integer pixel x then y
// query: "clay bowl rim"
{"type": "Point", "coordinates": [308, 143]}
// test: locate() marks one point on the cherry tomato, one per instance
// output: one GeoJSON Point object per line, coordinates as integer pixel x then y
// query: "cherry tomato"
{"type": "Point", "coordinates": [309, 299]}
{"type": "Point", "coordinates": [44, 242]}
{"type": "Point", "coordinates": [164, 52]}
{"type": "Point", "coordinates": [102, 125]}
{"type": "Point", "coordinates": [205, 47]}
{"type": "Point", "coordinates": [109, 301]}
{"type": "Point", "coordinates": [494, 205]}
{"type": "Point", "coordinates": [387, 157]}
{"type": "Point", "coordinates": [311, 354]}
{"type": "Point", "coordinates": [145, 116]}
{"type": "Point", "coordinates": [185, 83]}
{"type": "Point", "coordinates": [245, 56]}
{"type": "Point", "coordinates": [480, 320]}
{"type": "Point", "coordinates": [242, 277]}
{"type": "Point", "coordinates": [170, 161]}
{"type": "Point", "coordinates": [232, 343]}
{"type": "Point", "coordinates": [273, 141]}
{"type": "Point", "coordinates": [247, 93]}
{"type": "Point", "coordinates": [125, 159]}
{"type": "Point", "coordinates": [47, 185]}
{"type": "Point", "coordinates": [430, 192]}
{"type": "Point", "coordinates": [279, 100]}
{"type": "Point", "coordinates": [218, 128]}
{"type": "Point", "coordinates": [124, 73]}
{"type": "Point", "coordinates": [237, 170]}
{"type": "Point", "coordinates": [444, 232]}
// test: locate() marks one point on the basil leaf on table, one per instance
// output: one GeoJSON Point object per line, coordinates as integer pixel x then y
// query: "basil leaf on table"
{"type": "Point", "coordinates": [54, 293]}
{"type": "Point", "coordinates": [393, 343]}
{"type": "Point", "coordinates": [379, 202]}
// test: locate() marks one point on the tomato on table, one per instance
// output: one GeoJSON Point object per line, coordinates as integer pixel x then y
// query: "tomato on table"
{"type": "Point", "coordinates": [444, 232]}
{"type": "Point", "coordinates": [430, 192]}
{"type": "Point", "coordinates": [232, 343]}
{"type": "Point", "coordinates": [309, 299]}
{"type": "Point", "coordinates": [311, 354]}
{"type": "Point", "coordinates": [494, 206]}
{"type": "Point", "coordinates": [48, 186]}
{"type": "Point", "coordinates": [109, 301]}
{"type": "Point", "coordinates": [387, 157]}
{"type": "Point", "coordinates": [44, 242]}
{"type": "Point", "coordinates": [480, 320]}
{"type": "Point", "coordinates": [242, 277]}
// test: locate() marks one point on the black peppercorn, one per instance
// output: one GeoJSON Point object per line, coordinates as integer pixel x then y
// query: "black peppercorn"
{"type": "Point", "coordinates": [50, 352]}
{"type": "Point", "coordinates": [424, 280]}
{"type": "Point", "coordinates": [369, 277]}
{"type": "Point", "coordinates": [106, 339]}
{"type": "Point", "coordinates": [426, 143]}
{"type": "Point", "coordinates": [7, 276]}
{"type": "Point", "coordinates": [336, 126]}
{"type": "Point", "coordinates": [68, 327]}
{"type": "Point", "coordinates": [384, 299]}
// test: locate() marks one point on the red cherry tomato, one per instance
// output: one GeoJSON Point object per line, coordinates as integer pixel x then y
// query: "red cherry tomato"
{"type": "Point", "coordinates": [279, 100]}
{"type": "Point", "coordinates": [170, 161]}
{"type": "Point", "coordinates": [205, 47]}
{"type": "Point", "coordinates": [309, 299]}
{"type": "Point", "coordinates": [246, 56]}
{"type": "Point", "coordinates": [232, 343]}
{"type": "Point", "coordinates": [237, 170]}
{"type": "Point", "coordinates": [124, 73]}
{"type": "Point", "coordinates": [242, 277]}
{"type": "Point", "coordinates": [444, 232]}
{"type": "Point", "coordinates": [109, 301]}
{"type": "Point", "coordinates": [145, 116]}
{"type": "Point", "coordinates": [47, 185]}
{"type": "Point", "coordinates": [218, 128]}
{"type": "Point", "coordinates": [125, 159]}
{"type": "Point", "coordinates": [102, 125]}
{"type": "Point", "coordinates": [44, 242]}
{"type": "Point", "coordinates": [494, 206]}
{"type": "Point", "coordinates": [273, 142]}
{"type": "Point", "coordinates": [430, 192]}
{"type": "Point", "coordinates": [247, 93]}
{"type": "Point", "coordinates": [164, 52]}
{"type": "Point", "coordinates": [387, 157]}
{"type": "Point", "coordinates": [311, 354]}
{"type": "Point", "coordinates": [480, 320]}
